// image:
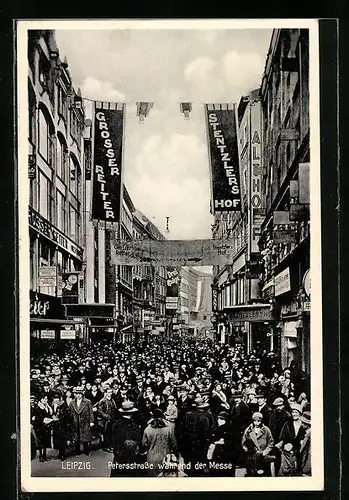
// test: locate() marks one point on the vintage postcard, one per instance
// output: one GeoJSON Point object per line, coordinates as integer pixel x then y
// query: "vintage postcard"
{"type": "Point", "coordinates": [170, 255]}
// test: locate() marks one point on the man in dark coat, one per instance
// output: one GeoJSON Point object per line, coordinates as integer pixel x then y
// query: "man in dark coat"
{"type": "Point", "coordinates": [106, 415]}
{"type": "Point", "coordinates": [195, 435]}
{"type": "Point", "coordinates": [263, 407]}
{"type": "Point", "coordinates": [61, 425]}
{"type": "Point", "coordinates": [83, 419]}
{"type": "Point", "coordinates": [240, 419]}
{"type": "Point", "coordinates": [126, 438]}
{"type": "Point", "coordinates": [278, 417]}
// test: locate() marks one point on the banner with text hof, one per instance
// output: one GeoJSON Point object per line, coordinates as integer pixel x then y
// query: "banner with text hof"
{"type": "Point", "coordinates": [224, 157]}
{"type": "Point", "coordinates": [107, 161]}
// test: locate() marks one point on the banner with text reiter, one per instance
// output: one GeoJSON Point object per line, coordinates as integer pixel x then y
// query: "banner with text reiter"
{"type": "Point", "coordinates": [224, 157]}
{"type": "Point", "coordinates": [107, 162]}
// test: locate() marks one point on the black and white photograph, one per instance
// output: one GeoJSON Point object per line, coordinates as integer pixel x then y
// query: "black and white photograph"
{"type": "Point", "coordinates": [169, 255]}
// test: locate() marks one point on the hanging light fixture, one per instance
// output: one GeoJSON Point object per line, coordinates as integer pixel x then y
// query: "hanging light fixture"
{"type": "Point", "coordinates": [143, 109]}
{"type": "Point", "coordinates": [186, 108]}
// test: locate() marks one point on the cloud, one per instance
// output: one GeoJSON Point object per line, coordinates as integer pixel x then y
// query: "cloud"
{"type": "Point", "coordinates": [242, 70]}
{"type": "Point", "coordinates": [92, 88]}
{"type": "Point", "coordinates": [167, 178]}
{"type": "Point", "coordinates": [199, 68]}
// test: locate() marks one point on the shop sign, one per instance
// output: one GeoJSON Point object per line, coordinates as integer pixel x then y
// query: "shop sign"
{"type": "Point", "coordinates": [70, 288]}
{"type": "Point", "coordinates": [47, 334]}
{"type": "Point", "coordinates": [306, 306]}
{"type": "Point", "coordinates": [31, 166]}
{"type": "Point", "coordinates": [284, 236]}
{"type": "Point", "coordinates": [306, 282]}
{"type": "Point", "coordinates": [42, 305]}
{"type": "Point", "coordinates": [224, 158]}
{"type": "Point", "coordinates": [254, 268]}
{"type": "Point", "coordinates": [236, 314]}
{"type": "Point", "coordinates": [290, 308]}
{"type": "Point", "coordinates": [171, 302]}
{"type": "Point", "coordinates": [44, 227]}
{"type": "Point", "coordinates": [282, 282]}
{"type": "Point", "coordinates": [68, 332]}
{"type": "Point", "coordinates": [48, 276]}
{"type": "Point", "coordinates": [90, 310]}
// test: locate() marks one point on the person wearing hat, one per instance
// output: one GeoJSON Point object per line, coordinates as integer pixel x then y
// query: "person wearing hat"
{"type": "Point", "coordinates": [304, 462]}
{"type": "Point", "coordinates": [258, 443]}
{"type": "Point", "coordinates": [158, 441]}
{"type": "Point", "coordinates": [126, 438]}
{"type": "Point", "coordinates": [83, 419]}
{"type": "Point", "coordinates": [278, 417]}
{"type": "Point", "coordinates": [218, 400]}
{"type": "Point", "coordinates": [291, 436]}
{"type": "Point", "coordinates": [42, 425]}
{"type": "Point", "coordinates": [263, 407]}
{"type": "Point", "coordinates": [195, 432]}
{"type": "Point", "coordinates": [171, 412]}
{"type": "Point", "coordinates": [106, 415]}
{"type": "Point", "coordinates": [61, 425]}
{"type": "Point", "coordinates": [223, 447]}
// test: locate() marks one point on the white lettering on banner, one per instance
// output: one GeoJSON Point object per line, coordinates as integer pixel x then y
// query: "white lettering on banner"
{"type": "Point", "coordinates": [256, 178]}
{"type": "Point", "coordinates": [230, 169]}
{"type": "Point", "coordinates": [112, 163]}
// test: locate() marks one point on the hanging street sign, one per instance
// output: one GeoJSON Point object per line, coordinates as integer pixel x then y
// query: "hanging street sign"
{"type": "Point", "coordinates": [173, 252]}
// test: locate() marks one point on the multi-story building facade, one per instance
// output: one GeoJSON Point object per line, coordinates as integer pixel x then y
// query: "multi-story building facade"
{"type": "Point", "coordinates": [149, 282]}
{"type": "Point", "coordinates": [56, 183]}
{"type": "Point", "coordinates": [284, 240]}
{"type": "Point", "coordinates": [240, 315]}
{"type": "Point", "coordinates": [195, 301]}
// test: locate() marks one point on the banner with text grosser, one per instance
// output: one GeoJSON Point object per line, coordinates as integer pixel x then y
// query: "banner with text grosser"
{"type": "Point", "coordinates": [107, 161]}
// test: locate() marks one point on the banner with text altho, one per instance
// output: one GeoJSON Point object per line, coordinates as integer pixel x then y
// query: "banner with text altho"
{"type": "Point", "coordinates": [224, 157]}
{"type": "Point", "coordinates": [107, 161]}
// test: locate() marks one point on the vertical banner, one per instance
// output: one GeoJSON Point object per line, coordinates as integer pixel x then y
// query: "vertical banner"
{"type": "Point", "coordinates": [172, 287]}
{"type": "Point", "coordinates": [256, 169]}
{"type": "Point", "coordinates": [107, 161]}
{"type": "Point", "coordinates": [224, 157]}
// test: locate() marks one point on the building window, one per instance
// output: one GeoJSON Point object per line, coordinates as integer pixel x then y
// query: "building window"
{"type": "Point", "coordinates": [61, 212]}
{"type": "Point", "coordinates": [75, 178]}
{"type": "Point", "coordinates": [46, 140]}
{"type": "Point", "coordinates": [44, 71]}
{"type": "Point", "coordinates": [62, 104]}
{"type": "Point", "coordinates": [61, 160]}
{"type": "Point", "coordinates": [45, 196]}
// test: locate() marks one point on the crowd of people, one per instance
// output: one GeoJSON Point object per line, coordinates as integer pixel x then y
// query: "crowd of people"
{"type": "Point", "coordinates": [184, 408]}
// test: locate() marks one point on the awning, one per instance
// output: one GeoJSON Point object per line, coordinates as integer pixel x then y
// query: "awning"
{"type": "Point", "coordinates": [58, 321]}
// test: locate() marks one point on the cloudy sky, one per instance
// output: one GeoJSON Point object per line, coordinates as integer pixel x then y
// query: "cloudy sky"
{"type": "Point", "coordinates": [165, 158]}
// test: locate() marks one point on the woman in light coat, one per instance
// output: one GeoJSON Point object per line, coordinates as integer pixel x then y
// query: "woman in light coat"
{"type": "Point", "coordinates": [257, 442]}
{"type": "Point", "coordinates": [158, 441]}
